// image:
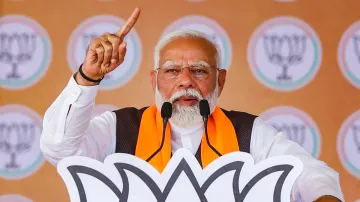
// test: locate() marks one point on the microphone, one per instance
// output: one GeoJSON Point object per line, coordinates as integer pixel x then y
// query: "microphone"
{"type": "Point", "coordinates": [205, 113]}
{"type": "Point", "coordinates": [166, 111]}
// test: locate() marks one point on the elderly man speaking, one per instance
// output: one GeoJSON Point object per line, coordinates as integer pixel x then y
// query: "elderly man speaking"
{"type": "Point", "coordinates": [187, 70]}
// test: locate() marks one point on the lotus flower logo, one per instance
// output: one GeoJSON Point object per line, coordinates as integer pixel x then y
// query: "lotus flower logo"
{"type": "Point", "coordinates": [232, 177]}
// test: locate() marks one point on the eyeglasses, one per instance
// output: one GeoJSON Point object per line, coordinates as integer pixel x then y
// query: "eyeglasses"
{"type": "Point", "coordinates": [199, 72]}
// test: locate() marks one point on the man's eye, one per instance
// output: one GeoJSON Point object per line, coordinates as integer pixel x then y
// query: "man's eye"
{"type": "Point", "coordinates": [199, 71]}
{"type": "Point", "coordinates": [171, 71]}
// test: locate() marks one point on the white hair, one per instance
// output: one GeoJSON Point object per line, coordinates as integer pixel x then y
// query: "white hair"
{"type": "Point", "coordinates": [183, 34]}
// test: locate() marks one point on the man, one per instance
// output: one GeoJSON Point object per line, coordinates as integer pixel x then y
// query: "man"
{"type": "Point", "coordinates": [187, 69]}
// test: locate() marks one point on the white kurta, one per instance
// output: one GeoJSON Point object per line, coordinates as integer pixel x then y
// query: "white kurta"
{"type": "Point", "coordinates": [73, 132]}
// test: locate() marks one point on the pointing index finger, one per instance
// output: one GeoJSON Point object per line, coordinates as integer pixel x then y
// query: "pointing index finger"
{"type": "Point", "coordinates": [125, 29]}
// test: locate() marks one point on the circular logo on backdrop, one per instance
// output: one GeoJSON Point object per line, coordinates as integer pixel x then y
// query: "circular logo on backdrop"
{"type": "Point", "coordinates": [209, 27]}
{"type": "Point", "coordinates": [25, 52]}
{"type": "Point", "coordinates": [349, 54]}
{"type": "Point", "coordinates": [14, 198]}
{"type": "Point", "coordinates": [95, 27]}
{"type": "Point", "coordinates": [101, 108]}
{"type": "Point", "coordinates": [20, 130]}
{"type": "Point", "coordinates": [284, 53]}
{"type": "Point", "coordinates": [297, 125]}
{"type": "Point", "coordinates": [348, 144]}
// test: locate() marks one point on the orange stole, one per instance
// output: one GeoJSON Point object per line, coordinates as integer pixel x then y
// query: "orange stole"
{"type": "Point", "coordinates": [221, 133]}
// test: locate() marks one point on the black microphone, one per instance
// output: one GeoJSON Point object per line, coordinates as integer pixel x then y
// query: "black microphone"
{"type": "Point", "coordinates": [205, 113]}
{"type": "Point", "coordinates": [166, 111]}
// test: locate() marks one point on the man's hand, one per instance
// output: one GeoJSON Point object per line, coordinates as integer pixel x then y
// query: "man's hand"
{"type": "Point", "coordinates": [106, 52]}
{"type": "Point", "coordinates": [328, 199]}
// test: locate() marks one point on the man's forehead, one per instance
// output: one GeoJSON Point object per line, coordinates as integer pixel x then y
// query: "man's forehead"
{"type": "Point", "coordinates": [184, 54]}
{"type": "Point", "coordinates": [188, 45]}
{"type": "Point", "coordinates": [187, 50]}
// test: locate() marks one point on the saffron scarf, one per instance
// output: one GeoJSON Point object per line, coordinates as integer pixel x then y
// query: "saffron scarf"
{"type": "Point", "coordinates": [221, 133]}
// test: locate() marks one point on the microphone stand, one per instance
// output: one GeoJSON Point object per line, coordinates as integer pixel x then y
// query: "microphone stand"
{"type": "Point", "coordinates": [166, 111]}
{"type": "Point", "coordinates": [205, 113]}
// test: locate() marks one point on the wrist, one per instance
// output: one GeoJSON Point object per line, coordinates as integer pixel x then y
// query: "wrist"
{"type": "Point", "coordinates": [83, 78]}
{"type": "Point", "coordinates": [82, 81]}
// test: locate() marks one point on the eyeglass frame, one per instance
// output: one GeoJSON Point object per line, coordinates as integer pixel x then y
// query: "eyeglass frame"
{"type": "Point", "coordinates": [182, 69]}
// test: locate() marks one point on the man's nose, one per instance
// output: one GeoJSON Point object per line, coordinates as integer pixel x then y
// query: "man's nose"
{"type": "Point", "coordinates": [185, 79]}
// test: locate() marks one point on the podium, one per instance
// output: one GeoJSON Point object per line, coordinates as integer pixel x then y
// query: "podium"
{"type": "Point", "coordinates": [231, 177]}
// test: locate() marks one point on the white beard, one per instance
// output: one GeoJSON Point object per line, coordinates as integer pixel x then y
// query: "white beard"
{"type": "Point", "coordinates": [186, 116]}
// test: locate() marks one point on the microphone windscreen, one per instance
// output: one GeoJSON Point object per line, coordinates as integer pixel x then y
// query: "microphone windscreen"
{"type": "Point", "coordinates": [204, 108]}
{"type": "Point", "coordinates": [166, 110]}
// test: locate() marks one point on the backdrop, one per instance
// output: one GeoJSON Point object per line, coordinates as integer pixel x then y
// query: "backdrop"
{"type": "Point", "coordinates": [295, 63]}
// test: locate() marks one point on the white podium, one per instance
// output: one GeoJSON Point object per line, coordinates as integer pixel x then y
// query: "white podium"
{"type": "Point", "coordinates": [232, 177]}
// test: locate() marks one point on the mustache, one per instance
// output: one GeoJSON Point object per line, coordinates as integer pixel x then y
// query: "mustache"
{"type": "Point", "coordinates": [188, 92]}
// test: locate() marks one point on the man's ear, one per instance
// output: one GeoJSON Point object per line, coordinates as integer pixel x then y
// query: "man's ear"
{"type": "Point", "coordinates": [221, 79]}
{"type": "Point", "coordinates": [153, 75]}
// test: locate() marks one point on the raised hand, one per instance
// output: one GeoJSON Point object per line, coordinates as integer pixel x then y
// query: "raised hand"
{"type": "Point", "coordinates": [106, 52]}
